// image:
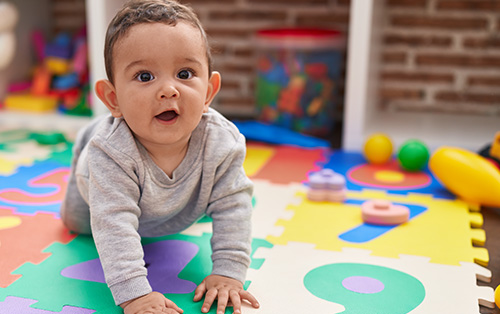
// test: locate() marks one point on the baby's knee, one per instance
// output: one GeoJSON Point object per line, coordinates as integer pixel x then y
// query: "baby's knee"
{"type": "Point", "coordinates": [76, 221]}
{"type": "Point", "coordinates": [76, 225]}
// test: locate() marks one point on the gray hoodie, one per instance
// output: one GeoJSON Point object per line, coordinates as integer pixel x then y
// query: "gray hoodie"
{"type": "Point", "coordinates": [116, 185]}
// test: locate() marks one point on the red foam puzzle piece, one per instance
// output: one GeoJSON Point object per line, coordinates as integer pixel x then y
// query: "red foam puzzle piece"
{"type": "Point", "coordinates": [290, 164]}
{"type": "Point", "coordinates": [25, 242]}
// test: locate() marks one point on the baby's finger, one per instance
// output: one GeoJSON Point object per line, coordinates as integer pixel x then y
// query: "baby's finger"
{"type": "Point", "coordinates": [199, 292]}
{"type": "Point", "coordinates": [245, 295]}
{"type": "Point", "coordinates": [222, 301]}
{"type": "Point", "coordinates": [209, 300]}
{"type": "Point", "coordinates": [234, 297]}
{"type": "Point", "coordinates": [171, 305]}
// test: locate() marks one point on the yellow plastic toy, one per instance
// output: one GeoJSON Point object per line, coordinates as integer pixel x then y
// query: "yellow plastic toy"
{"type": "Point", "coordinates": [378, 149]}
{"type": "Point", "coordinates": [57, 66]}
{"type": "Point", "coordinates": [497, 296]}
{"type": "Point", "coordinates": [467, 175]}
{"type": "Point", "coordinates": [26, 102]}
{"type": "Point", "coordinates": [495, 146]}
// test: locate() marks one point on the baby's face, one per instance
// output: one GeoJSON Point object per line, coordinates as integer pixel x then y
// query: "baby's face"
{"type": "Point", "coordinates": [161, 81]}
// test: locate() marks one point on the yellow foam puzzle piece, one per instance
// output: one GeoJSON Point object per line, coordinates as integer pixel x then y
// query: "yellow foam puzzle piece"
{"type": "Point", "coordinates": [443, 232]}
{"type": "Point", "coordinates": [256, 158]}
{"type": "Point", "coordinates": [22, 154]}
{"type": "Point", "coordinates": [9, 222]}
{"type": "Point", "coordinates": [8, 167]}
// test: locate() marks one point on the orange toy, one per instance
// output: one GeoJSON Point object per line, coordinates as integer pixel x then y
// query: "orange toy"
{"type": "Point", "coordinates": [467, 175]}
{"type": "Point", "coordinates": [41, 82]}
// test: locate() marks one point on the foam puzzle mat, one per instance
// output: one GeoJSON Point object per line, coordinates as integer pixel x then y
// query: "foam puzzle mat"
{"type": "Point", "coordinates": [308, 257]}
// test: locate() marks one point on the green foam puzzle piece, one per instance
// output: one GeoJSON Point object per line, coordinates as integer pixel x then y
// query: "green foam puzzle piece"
{"type": "Point", "coordinates": [64, 155]}
{"type": "Point", "coordinates": [44, 283]}
{"type": "Point", "coordinates": [399, 293]}
{"type": "Point", "coordinates": [61, 148]}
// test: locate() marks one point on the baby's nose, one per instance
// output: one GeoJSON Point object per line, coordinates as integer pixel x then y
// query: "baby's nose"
{"type": "Point", "coordinates": [168, 90]}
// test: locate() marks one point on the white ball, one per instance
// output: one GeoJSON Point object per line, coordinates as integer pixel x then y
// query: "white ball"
{"type": "Point", "coordinates": [8, 44]}
{"type": "Point", "coordinates": [8, 16]}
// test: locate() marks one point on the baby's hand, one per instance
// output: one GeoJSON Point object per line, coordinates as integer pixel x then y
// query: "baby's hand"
{"type": "Point", "coordinates": [151, 303]}
{"type": "Point", "coordinates": [225, 290]}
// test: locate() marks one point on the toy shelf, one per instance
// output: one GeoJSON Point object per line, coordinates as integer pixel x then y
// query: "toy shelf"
{"type": "Point", "coordinates": [361, 117]}
{"type": "Point", "coordinates": [33, 15]}
{"type": "Point", "coordinates": [102, 12]}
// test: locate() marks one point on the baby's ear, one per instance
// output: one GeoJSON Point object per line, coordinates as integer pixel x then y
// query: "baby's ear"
{"type": "Point", "coordinates": [214, 83]}
{"type": "Point", "coordinates": [107, 94]}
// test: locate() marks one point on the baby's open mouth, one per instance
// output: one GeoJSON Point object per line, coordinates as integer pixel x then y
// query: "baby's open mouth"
{"type": "Point", "coordinates": [168, 115]}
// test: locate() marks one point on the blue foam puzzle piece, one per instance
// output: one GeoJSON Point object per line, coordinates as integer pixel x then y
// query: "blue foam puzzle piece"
{"type": "Point", "coordinates": [263, 132]}
{"type": "Point", "coordinates": [20, 180]}
{"type": "Point", "coordinates": [367, 232]}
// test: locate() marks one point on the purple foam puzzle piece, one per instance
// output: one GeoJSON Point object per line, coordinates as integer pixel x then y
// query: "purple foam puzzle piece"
{"type": "Point", "coordinates": [15, 305]}
{"type": "Point", "coordinates": [89, 270]}
{"type": "Point", "coordinates": [164, 260]}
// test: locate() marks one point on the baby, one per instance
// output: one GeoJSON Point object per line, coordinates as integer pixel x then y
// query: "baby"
{"type": "Point", "coordinates": [162, 160]}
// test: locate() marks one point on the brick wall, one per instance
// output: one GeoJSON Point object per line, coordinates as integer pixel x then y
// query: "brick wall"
{"type": "Point", "coordinates": [68, 15]}
{"type": "Point", "coordinates": [437, 55]}
{"type": "Point", "coordinates": [441, 56]}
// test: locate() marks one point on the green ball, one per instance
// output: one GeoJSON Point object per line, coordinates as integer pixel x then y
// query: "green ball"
{"type": "Point", "coordinates": [413, 155]}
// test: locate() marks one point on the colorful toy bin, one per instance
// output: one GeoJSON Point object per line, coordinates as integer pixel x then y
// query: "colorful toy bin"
{"type": "Point", "coordinates": [298, 77]}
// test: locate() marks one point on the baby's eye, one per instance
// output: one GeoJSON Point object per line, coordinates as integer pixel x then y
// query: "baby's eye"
{"type": "Point", "coordinates": [185, 74]}
{"type": "Point", "coordinates": [144, 76]}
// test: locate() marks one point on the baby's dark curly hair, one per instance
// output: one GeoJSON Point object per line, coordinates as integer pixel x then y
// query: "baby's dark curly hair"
{"type": "Point", "coordinates": [134, 12]}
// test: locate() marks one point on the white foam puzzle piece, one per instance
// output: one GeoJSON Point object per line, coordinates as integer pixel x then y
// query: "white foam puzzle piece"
{"type": "Point", "coordinates": [30, 150]}
{"type": "Point", "coordinates": [271, 205]}
{"type": "Point", "coordinates": [279, 283]}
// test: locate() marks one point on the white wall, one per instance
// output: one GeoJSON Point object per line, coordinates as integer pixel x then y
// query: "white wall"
{"type": "Point", "coordinates": [99, 14]}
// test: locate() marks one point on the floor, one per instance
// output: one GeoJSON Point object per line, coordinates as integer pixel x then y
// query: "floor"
{"type": "Point", "coordinates": [308, 256]}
